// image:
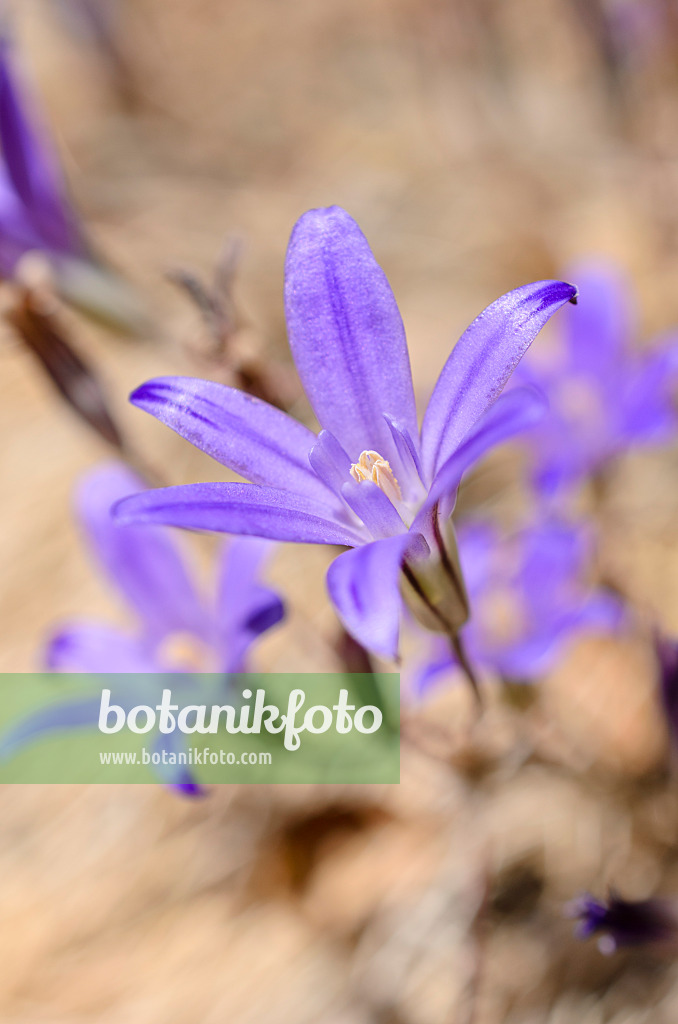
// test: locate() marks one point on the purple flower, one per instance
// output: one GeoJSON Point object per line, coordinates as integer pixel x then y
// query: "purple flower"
{"type": "Point", "coordinates": [35, 212]}
{"type": "Point", "coordinates": [603, 396]}
{"type": "Point", "coordinates": [528, 600]}
{"type": "Point", "coordinates": [178, 629]}
{"type": "Point", "coordinates": [36, 216]}
{"type": "Point", "coordinates": [621, 922]}
{"type": "Point", "coordinates": [369, 481]}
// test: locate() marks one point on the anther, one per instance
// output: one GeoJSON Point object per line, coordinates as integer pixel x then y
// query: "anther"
{"type": "Point", "coordinates": [371, 466]}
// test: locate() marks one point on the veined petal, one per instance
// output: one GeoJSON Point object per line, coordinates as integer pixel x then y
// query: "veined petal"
{"type": "Point", "coordinates": [329, 461]}
{"type": "Point", "coordinates": [241, 509]}
{"type": "Point", "coordinates": [145, 565]}
{"type": "Point", "coordinates": [372, 506]}
{"type": "Point", "coordinates": [513, 412]}
{"type": "Point", "coordinates": [482, 361]}
{"type": "Point", "coordinates": [411, 481]}
{"type": "Point", "coordinates": [364, 587]}
{"type": "Point", "coordinates": [249, 436]}
{"type": "Point", "coordinates": [346, 333]}
{"type": "Point", "coordinates": [245, 607]}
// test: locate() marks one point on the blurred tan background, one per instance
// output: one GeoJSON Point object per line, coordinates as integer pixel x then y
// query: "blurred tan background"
{"type": "Point", "coordinates": [479, 145]}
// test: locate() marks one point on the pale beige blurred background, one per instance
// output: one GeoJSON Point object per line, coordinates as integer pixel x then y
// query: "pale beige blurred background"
{"type": "Point", "coordinates": [479, 145]}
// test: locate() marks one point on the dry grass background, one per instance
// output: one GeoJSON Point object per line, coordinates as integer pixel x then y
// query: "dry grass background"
{"type": "Point", "coordinates": [480, 145]}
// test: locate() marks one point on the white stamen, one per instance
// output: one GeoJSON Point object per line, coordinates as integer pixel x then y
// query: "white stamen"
{"type": "Point", "coordinates": [371, 466]}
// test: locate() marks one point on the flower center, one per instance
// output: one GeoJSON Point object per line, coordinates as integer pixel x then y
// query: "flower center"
{"type": "Point", "coordinates": [184, 652]}
{"type": "Point", "coordinates": [371, 466]}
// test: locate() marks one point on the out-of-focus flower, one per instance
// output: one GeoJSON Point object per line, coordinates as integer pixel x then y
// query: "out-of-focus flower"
{"type": "Point", "coordinates": [369, 481]}
{"type": "Point", "coordinates": [37, 220]}
{"type": "Point", "coordinates": [35, 211]}
{"type": "Point", "coordinates": [178, 629]}
{"type": "Point", "coordinates": [604, 397]}
{"type": "Point", "coordinates": [528, 600]}
{"type": "Point", "coordinates": [619, 922]}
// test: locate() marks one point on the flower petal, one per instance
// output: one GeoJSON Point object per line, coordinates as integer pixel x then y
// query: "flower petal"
{"type": "Point", "coordinates": [73, 714]}
{"type": "Point", "coordinates": [249, 436]}
{"type": "Point", "coordinates": [187, 788]}
{"type": "Point", "coordinates": [329, 461]}
{"type": "Point", "coordinates": [31, 166]}
{"type": "Point", "coordinates": [553, 556]}
{"type": "Point", "coordinates": [346, 333]}
{"type": "Point", "coordinates": [177, 777]}
{"type": "Point", "coordinates": [482, 361]}
{"type": "Point", "coordinates": [17, 234]}
{"type": "Point", "coordinates": [439, 662]}
{"type": "Point", "coordinates": [411, 479]}
{"type": "Point", "coordinates": [478, 544]}
{"type": "Point", "coordinates": [245, 608]}
{"type": "Point", "coordinates": [91, 647]}
{"type": "Point", "coordinates": [512, 413]}
{"type": "Point", "coordinates": [145, 565]}
{"type": "Point", "coordinates": [375, 510]}
{"type": "Point", "coordinates": [599, 334]}
{"type": "Point", "coordinates": [647, 401]}
{"type": "Point", "coordinates": [364, 586]}
{"type": "Point", "coordinates": [238, 508]}
{"type": "Point", "coordinates": [601, 613]}
{"type": "Point", "coordinates": [536, 653]}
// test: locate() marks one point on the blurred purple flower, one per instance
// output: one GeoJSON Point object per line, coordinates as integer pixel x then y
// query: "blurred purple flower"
{"type": "Point", "coordinates": [621, 922]}
{"type": "Point", "coordinates": [35, 211]}
{"type": "Point", "coordinates": [603, 397]}
{"type": "Point", "coordinates": [528, 600]}
{"type": "Point", "coordinates": [178, 629]}
{"type": "Point", "coordinates": [36, 216]}
{"type": "Point", "coordinates": [368, 481]}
